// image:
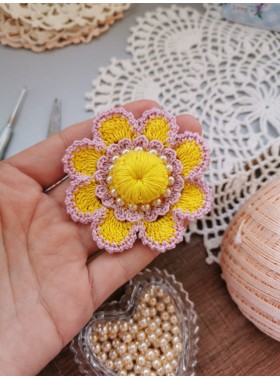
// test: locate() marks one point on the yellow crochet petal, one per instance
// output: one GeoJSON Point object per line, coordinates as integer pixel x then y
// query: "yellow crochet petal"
{"type": "Point", "coordinates": [84, 198]}
{"type": "Point", "coordinates": [190, 153]}
{"type": "Point", "coordinates": [112, 230]}
{"type": "Point", "coordinates": [163, 230]}
{"type": "Point", "coordinates": [192, 198]}
{"type": "Point", "coordinates": [157, 129]}
{"type": "Point", "coordinates": [84, 160]}
{"type": "Point", "coordinates": [115, 128]}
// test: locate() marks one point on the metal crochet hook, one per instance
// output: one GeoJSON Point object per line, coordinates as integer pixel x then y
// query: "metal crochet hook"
{"type": "Point", "coordinates": [55, 127]}
{"type": "Point", "coordinates": [7, 131]}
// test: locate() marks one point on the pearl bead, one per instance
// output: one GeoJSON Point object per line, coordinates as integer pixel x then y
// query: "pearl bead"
{"type": "Point", "coordinates": [152, 326]}
{"type": "Point", "coordinates": [113, 354]}
{"type": "Point", "coordinates": [167, 193]}
{"type": "Point", "coordinates": [171, 180]}
{"type": "Point", "coordinates": [178, 347]}
{"type": "Point", "coordinates": [166, 326]}
{"type": "Point", "coordinates": [176, 339]}
{"type": "Point", "coordinates": [96, 348]}
{"type": "Point", "coordinates": [143, 323]}
{"type": "Point", "coordinates": [132, 207]}
{"type": "Point", "coordinates": [133, 329]}
{"type": "Point", "coordinates": [153, 151]}
{"type": "Point", "coordinates": [121, 349]}
{"type": "Point", "coordinates": [152, 301]}
{"type": "Point", "coordinates": [163, 342]}
{"type": "Point", "coordinates": [167, 336]}
{"type": "Point", "coordinates": [150, 355]}
{"type": "Point", "coordinates": [103, 338]}
{"type": "Point", "coordinates": [165, 316]}
{"type": "Point", "coordinates": [145, 312]}
{"type": "Point", "coordinates": [160, 306]}
{"type": "Point", "coordinates": [171, 309]}
{"type": "Point", "coordinates": [145, 208]}
{"type": "Point", "coordinates": [131, 374]}
{"type": "Point", "coordinates": [143, 347]}
{"type": "Point", "coordinates": [102, 357]}
{"type": "Point", "coordinates": [141, 360]}
{"type": "Point", "coordinates": [160, 371]}
{"type": "Point", "coordinates": [115, 158]}
{"type": "Point", "coordinates": [116, 343]}
{"type": "Point", "coordinates": [146, 372]}
{"type": "Point", "coordinates": [157, 352]}
{"type": "Point", "coordinates": [138, 149]}
{"type": "Point", "coordinates": [146, 297]}
{"type": "Point", "coordinates": [113, 192]}
{"type": "Point", "coordinates": [125, 151]}
{"type": "Point", "coordinates": [156, 364]}
{"type": "Point", "coordinates": [157, 202]}
{"type": "Point", "coordinates": [174, 363]}
{"type": "Point", "coordinates": [153, 311]}
{"type": "Point", "coordinates": [163, 158]}
{"type": "Point", "coordinates": [157, 320]}
{"type": "Point", "coordinates": [175, 330]}
{"type": "Point", "coordinates": [168, 368]}
{"type": "Point", "coordinates": [106, 346]}
{"type": "Point", "coordinates": [94, 338]}
{"type": "Point", "coordinates": [173, 319]}
{"type": "Point", "coordinates": [118, 364]}
{"type": "Point", "coordinates": [169, 355]}
{"type": "Point", "coordinates": [109, 364]}
{"type": "Point", "coordinates": [127, 338]}
{"type": "Point", "coordinates": [158, 332]}
{"type": "Point", "coordinates": [127, 359]}
{"type": "Point", "coordinates": [119, 202]}
{"type": "Point", "coordinates": [111, 167]}
{"type": "Point", "coordinates": [152, 337]}
{"type": "Point", "coordinates": [132, 348]}
{"type": "Point", "coordinates": [122, 372]}
{"type": "Point", "coordinates": [169, 168]}
{"type": "Point", "coordinates": [109, 179]}
{"type": "Point", "coordinates": [137, 369]}
{"type": "Point", "coordinates": [141, 336]}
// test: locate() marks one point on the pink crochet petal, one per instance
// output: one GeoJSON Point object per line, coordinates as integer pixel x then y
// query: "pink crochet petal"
{"type": "Point", "coordinates": [182, 211]}
{"type": "Point", "coordinates": [198, 169]}
{"type": "Point", "coordinates": [163, 246]}
{"type": "Point", "coordinates": [79, 186]}
{"type": "Point", "coordinates": [158, 113]}
{"type": "Point", "coordinates": [103, 242]}
{"type": "Point", "coordinates": [78, 151]}
{"type": "Point", "coordinates": [117, 133]}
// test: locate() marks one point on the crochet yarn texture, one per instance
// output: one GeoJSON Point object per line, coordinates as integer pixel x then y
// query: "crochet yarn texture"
{"type": "Point", "coordinates": [137, 178]}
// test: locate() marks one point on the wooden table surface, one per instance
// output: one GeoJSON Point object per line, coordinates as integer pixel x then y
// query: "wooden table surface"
{"type": "Point", "coordinates": [229, 344]}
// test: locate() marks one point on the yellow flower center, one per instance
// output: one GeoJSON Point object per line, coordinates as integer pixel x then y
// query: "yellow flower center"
{"type": "Point", "coordinates": [139, 177]}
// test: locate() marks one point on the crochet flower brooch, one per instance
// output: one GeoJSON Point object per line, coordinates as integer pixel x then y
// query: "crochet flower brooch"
{"type": "Point", "coordinates": [137, 178]}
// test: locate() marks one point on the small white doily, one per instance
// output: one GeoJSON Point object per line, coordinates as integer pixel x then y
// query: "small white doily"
{"type": "Point", "coordinates": [225, 74]}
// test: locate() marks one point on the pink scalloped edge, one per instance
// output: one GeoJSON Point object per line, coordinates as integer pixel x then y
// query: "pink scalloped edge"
{"type": "Point", "coordinates": [103, 116]}
{"type": "Point", "coordinates": [111, 247]}
{"type": "Point", "coordinates": [71, 209]}
{"type": "Point", "coordinates": [192, 136]}
{"type": "Point", "coordinates": [206, 205]}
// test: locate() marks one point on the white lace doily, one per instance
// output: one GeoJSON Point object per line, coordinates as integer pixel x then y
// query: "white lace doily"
{"type": "Point", "coordinates": [225, 74]}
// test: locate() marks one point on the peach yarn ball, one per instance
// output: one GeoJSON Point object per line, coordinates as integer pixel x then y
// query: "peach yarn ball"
{"type": "Point", "coordinates": [250, 259]}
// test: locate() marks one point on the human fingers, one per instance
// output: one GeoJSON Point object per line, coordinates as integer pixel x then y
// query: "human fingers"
{"type": "Point", "coordinates": [42, 161]}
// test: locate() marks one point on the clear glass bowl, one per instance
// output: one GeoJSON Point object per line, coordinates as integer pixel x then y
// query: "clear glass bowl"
{"type": "Point", "coordinates": [82, 346]}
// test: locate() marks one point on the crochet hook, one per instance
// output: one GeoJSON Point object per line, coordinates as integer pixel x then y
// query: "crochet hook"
{"type": "Point", "coordinates": [7, 131]}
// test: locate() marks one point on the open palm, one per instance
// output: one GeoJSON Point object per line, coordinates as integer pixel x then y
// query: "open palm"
{"type": "Point", "coordinates": [48, 287]}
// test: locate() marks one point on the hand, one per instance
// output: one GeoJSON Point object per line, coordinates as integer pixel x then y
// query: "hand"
{"type": "Point", "coordinates": [48, 287]}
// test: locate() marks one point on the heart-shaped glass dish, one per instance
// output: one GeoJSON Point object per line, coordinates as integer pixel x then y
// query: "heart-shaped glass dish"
{"type": "Point", "coordinates": [147, 286]}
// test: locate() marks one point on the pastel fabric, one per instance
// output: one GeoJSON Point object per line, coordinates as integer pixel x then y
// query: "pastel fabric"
{"type": "Point", "coordinates": [137, 178]}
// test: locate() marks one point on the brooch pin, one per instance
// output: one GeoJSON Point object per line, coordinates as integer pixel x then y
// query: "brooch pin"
{"type": "Point", "coordinates": [137, 179]}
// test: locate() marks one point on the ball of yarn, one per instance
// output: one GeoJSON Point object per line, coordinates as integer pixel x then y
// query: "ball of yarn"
{"type": "Point", "coordinates": [250, 259]}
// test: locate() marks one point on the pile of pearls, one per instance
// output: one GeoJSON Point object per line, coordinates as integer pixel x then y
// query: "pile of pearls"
{"type": "Point", "coordinates": [149, 343]}
{"type": "Point", "coordinates": [144, 207]}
